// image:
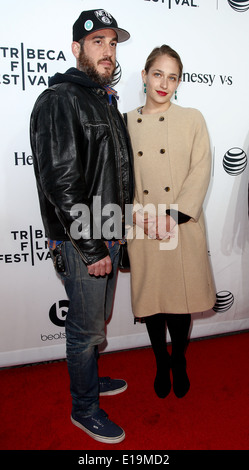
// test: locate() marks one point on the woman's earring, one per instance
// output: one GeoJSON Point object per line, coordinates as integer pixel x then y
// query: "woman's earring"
{"type": "Point", "coordinates": [144, 87]}
{"type": "Point", "coordinates": [175, 94]}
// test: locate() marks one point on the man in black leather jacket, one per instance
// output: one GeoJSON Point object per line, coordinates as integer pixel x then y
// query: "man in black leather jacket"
{"type": "Point", "coordinates": [83, 167]}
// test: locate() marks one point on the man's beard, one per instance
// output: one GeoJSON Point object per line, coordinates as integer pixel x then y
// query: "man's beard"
{"type": "Point", "coordinates": [86, 65]}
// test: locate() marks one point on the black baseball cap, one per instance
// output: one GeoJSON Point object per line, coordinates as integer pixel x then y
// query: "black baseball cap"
{"type": "Point", "coordinates": [94, 20]}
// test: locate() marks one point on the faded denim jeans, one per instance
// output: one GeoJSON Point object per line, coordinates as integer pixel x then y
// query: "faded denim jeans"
{"type": "Point", "coordinates": [90, 305]}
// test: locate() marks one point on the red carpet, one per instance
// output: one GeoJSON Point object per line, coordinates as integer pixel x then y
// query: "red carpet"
{"type": "Point", "coordinates": [214, 415]}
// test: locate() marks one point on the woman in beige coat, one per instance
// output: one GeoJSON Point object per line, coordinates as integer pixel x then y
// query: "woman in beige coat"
{"type": "Point", "coordinates": [170, 271]}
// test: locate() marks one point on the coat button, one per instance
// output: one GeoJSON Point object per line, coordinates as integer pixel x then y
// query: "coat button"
{"type": "Point", "coordinates": [140, 153]}
{"type": "Point", "coordinates": [139, 120]}
{"type": "Point", "coordinates": [162, 150]}
{"type": "Point", "coordinates": [146, 191]}
{"type": "Point", "coordinates": [161, 118]}
{"type": "Point", "coordinates": [167, 189]}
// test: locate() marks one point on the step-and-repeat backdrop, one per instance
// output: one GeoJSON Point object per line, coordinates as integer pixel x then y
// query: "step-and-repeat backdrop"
{"type": "Point", "coordinates": [212, 37]}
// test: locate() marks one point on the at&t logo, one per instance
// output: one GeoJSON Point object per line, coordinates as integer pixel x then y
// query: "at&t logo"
{"type": "Point", "coordinates": [224, 301]}
{"type": "Point", "coordinates": [239, 5]}
{"type": "Point", "coordinates": [235, 161]}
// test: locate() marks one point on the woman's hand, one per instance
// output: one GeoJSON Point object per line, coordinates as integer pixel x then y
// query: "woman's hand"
{"type": "Point", "coordinates": [164, 227]}
{"type": "Point", "coordinates": [155, 227]}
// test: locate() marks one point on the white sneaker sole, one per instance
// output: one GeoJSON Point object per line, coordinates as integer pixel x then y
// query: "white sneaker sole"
{"type": "Point", "coordinates": [106, 440]}
{"type": "Point", "coordinates": [113, 392]}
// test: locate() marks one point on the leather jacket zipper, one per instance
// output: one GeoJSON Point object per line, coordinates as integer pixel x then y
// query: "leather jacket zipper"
{"type": "Point", "coordinates": [77, 248]}
{"type": "Point", "coordinates": [117, 148]}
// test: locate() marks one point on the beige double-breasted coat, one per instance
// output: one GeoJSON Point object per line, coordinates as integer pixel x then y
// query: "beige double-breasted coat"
{"type": "Point", "coordinates": [172, 163]}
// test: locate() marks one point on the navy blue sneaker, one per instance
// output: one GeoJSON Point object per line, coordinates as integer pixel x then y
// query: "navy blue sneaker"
{"type": "Point", "coordinates": [100, 428]}
{"type": "Point", "coordinates": [108, 386]}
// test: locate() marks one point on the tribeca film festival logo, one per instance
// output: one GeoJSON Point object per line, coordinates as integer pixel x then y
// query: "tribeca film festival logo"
{"type": "Point", "coordinates": [237, 5]}
{"type": "Point", "coordinates": [172, 3]}
{"type": "Point", "coordinates": [26, 66]}
{"type": "Point", "coordinates": [31, 247]}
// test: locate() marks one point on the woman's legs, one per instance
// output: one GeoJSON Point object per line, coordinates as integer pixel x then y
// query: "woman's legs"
{"type": "Point", "coordinates": [156, 327]}
{"type": "Point", "coordinates": [178, 326]}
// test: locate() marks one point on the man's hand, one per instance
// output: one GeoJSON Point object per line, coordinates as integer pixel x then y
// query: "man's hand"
{"type": "Point", "coordinates": [100, 268]}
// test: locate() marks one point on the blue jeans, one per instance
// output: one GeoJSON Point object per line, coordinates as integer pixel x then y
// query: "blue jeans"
{"type": "Point", "coordinates": [90, 305]}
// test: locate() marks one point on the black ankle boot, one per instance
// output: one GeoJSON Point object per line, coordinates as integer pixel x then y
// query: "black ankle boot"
{"type": "Point", "coordinates": [181, 382]}
{"type": "Point", "coordinates": [162, 383]}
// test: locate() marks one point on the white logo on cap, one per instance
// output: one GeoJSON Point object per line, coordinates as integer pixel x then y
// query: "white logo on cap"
{"type": "Point", "coordinates": [104, 16]}
{"type": "Point", "coordinates": [88, 25]}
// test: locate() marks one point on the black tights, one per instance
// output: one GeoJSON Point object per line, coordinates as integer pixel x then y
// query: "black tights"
{"type": "Point", "coordinates": [178, 326]}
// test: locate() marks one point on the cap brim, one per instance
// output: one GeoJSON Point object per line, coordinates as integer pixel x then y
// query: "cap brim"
{"type": "Point", "coordinates": [122, 34]}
